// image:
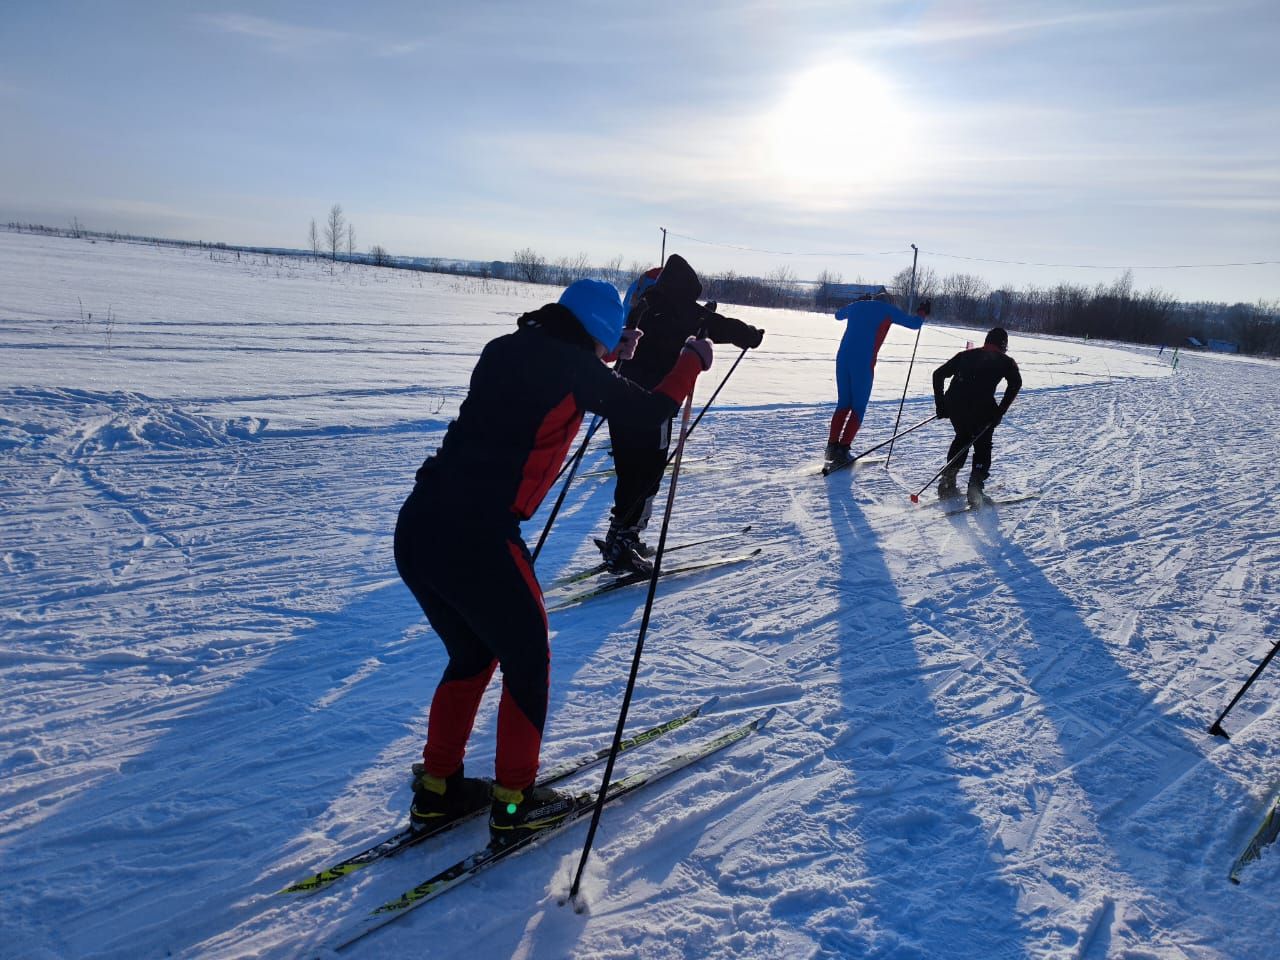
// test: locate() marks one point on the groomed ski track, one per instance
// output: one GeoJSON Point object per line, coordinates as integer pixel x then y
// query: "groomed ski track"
{"type": "Point", "coordinates": [991, 731]}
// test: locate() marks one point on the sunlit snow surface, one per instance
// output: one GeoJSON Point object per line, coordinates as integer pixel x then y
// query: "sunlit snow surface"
{"type": "Point", "coordinates": [991, 731]}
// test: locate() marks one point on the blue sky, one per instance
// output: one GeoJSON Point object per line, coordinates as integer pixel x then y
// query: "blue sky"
{"type": "Point", "coordinates": [805, 135]}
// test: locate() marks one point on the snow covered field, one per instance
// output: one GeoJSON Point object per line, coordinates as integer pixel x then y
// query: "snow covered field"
{"type": "Point", "coordinates": [990, 739]}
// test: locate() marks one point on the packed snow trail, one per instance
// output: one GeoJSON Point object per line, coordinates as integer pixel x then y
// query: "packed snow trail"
{"type": "Point", "coordinates": [991, 731]}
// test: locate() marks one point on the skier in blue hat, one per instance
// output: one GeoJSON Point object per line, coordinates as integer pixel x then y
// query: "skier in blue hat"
{"type": "Point", "coordinates": [458, 546]}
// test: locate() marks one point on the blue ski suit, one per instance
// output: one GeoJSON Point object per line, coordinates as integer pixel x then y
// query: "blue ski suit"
{"type": "Point", "coordinates": [867, 324]}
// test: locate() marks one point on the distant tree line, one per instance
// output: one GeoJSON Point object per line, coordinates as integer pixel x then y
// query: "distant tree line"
{"type": "Point", "coordinates": [1111, 311]}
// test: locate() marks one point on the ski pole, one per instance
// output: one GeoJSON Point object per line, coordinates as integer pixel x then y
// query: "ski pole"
{"type": "Point", "coordinates": [572, 465]}
{"type": "Point", "coordinates": [635, 660]}
{"type": "Point", "coordinates": [910, 308]}
{"type": "Point", "coordinates": [903, 401]}
{"type": "Point", "coordinates": [710, 400]}
{"type": "Point", "coordinates": [1216, 728]}
{"type": "Point", "coordinates": [853, 460]}
{"type": "Point", "coordinates": [958, 458]}
{"type": "Point", "coordinates": [705, 407]}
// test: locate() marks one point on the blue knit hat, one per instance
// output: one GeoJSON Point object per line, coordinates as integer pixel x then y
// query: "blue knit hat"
{"type": "Point", "coordinates": [597, 307]}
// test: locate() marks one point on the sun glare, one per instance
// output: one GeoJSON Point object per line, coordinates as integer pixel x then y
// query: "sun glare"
{"type": "Point", "coordinates": [840, 130]}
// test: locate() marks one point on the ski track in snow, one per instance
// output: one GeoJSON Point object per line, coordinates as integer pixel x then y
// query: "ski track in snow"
{"type": "Point", "coordinates": [991, 731]}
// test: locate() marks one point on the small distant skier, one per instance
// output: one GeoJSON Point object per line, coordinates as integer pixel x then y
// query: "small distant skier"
{"type": "Point", "coordinates": [458, 545]}
{"type": "Point", "coordinates": [970, 404]}
{"type": "Point", "coordinates": [868, 322]}
{"type": "Point", "coordinates": [664, 305]}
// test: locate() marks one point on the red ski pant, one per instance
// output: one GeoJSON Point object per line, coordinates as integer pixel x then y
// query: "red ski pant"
{"type": "Point", "coordinates": [479, 593]}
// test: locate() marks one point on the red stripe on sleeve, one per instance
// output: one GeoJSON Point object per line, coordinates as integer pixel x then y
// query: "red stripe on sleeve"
{"type": "Point", "coordinates": [550, 444]}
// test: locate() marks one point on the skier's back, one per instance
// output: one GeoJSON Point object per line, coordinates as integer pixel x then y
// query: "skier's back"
{"type": "Point", "coordinates": [970, 404]}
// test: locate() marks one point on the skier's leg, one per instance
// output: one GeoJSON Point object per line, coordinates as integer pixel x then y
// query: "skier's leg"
{"type": "Point", "coordinates": [494, 596]}
{"type": "Point", "coordinates": [516, 630]}
{"type": "Point", "coordinates": [957, 451]}
{"type": "Point", "coordinates": [638, 460]}
{"type": "Point", "coordinates": [470, 666]}
{"type": "Point", "coordinates": [861, 394]}
{"type": "Point", "coordinates": [981, 458]}
{"type": "Point", "coordinates": [844, 400]}
{"type": "Point", "coordinates": [837, 424]}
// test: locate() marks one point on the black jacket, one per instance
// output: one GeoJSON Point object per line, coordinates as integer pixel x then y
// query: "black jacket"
{"type": "Point", "coordinates": [971, 398]}
{"type": "Point", "coordinates": [528, 393]}
{"type": "Point", "coordinates": [669, 313]}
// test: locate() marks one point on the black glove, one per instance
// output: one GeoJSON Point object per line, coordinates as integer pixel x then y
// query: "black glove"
{"type": "Point", "coordinates": [998, 417]}
{"type": "Point", "coordinates": [751, 339]}
{"type": "Point", "coordinates": [940, 408]}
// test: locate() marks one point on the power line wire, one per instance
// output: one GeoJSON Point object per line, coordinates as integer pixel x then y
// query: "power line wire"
{"type": "Point", "coordinates": [781, 253]}
{"type": "Point", "coordinates": [1103, 266]}
{"type": "Point", "coordinates": [958, 256]}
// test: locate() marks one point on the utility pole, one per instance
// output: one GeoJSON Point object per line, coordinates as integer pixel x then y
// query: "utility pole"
{"type": "Point", "coordinates": [911, 306]}
{"type": "Point", "coordinates": [663, 259]}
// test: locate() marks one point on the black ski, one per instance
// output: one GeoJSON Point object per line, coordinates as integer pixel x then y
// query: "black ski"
{"type": "Point", "coordinates": [1265, 834]}
{"type": "Point", "coordinates": [468, 867]}
{"type": "Point", "coordinates": [603, 568]}
{"type": "Point", "coordinates": [606, 471]}
{"type": "Point", "coordinates": [627, 580]}
{"type": "Point", "coordinates": [400, 840]}
{"type": "Point", "coordinates": [961, 504]}
{"type": "Point", "coordinates": [831, 467]}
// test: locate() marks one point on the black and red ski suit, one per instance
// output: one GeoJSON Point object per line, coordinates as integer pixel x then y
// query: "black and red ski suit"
{"type": "Point", "coordinates": [970, 403]}
{"type": "Point", "coordinates": [457, 541]}
{"type": "Point", "coordinates": [668, 313]}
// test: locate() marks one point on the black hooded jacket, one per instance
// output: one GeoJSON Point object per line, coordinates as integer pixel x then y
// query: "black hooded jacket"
{"type": "Point", "coordinates": [669, 313]}
{"type": "Point", "coordinates": [975, 374]}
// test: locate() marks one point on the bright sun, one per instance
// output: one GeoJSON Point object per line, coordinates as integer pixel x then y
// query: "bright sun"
{"type": "Point", "coordinates": [840, 130]}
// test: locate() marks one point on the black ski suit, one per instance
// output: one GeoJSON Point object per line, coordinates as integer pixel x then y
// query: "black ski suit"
{"type": "Point", "coordinates": [457, 541]}
{"type": "Point", "coordinates": [668, 313]}
{"type": "Point", "coordinates": [970, 403]}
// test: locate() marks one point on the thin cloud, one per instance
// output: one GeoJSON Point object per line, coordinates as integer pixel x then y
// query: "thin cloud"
{"type": "Point", "coordinates": [278, 36]}
{"type": "Point", "coordinates": [950, 31]}
{"type": "Point", "coordinates": [288, 38]}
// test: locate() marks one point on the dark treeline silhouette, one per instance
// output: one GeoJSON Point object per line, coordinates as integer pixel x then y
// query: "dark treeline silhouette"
{"type": "Point", "coordinates": [1107, 311]}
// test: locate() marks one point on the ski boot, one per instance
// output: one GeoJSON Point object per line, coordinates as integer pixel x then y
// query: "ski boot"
{"type": "Point", "coordinates": [437, 800]}
{"type": "Point", "coordinates": [947, 485]}
{"type": "Point", "coordinates": [977, 499]}
{"type": "Point", "coordinates": [518, 814]}
{"type": "Point", "coordinates": [837, 454]}
{"type": "Point", "coordinates": [621, 551]}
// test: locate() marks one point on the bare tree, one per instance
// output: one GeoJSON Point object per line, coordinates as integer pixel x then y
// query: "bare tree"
{"type": "Point", "coordinates": [530, 265]}
{"type": "Point", "coordinates": [569, 269]}
{"type": "Point", "coordinates": [782, 283]}
{"type": "Point", "coordinates": [333, 230]}
{"type": "Point", "coordinates": [314, 237]}
{"type": "Point", "coordinates": [926, 285]}
{"type": "Point", "coordinates": [822, 293]}
{"type": "Point", "coordinates": [378, 253]}
{"type": "Point", "coordinates": [351, 239]}
{"type": "Point", "coordinates": [965, 299]}
{"type": "Point", "coordinates": [612, 270]}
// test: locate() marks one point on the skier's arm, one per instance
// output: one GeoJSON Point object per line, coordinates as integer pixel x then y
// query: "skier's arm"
{"type": "Point", "coordinates": [722, 329]}
{"type": "Point", "coordinates": [1012, 384]}
{"type": "Point", "coordinates": [902, 318]}
{"type": "Point", "coordinates": [940, 375]}
{"type": "Point", "coordinates": [616, 398]}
